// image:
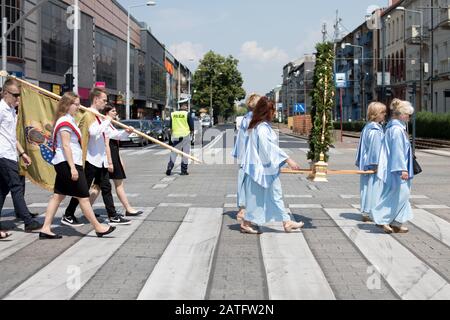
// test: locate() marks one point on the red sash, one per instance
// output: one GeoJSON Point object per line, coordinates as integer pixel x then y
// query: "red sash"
{"type": "Point", "coordinates": [58, 127]}
{"type": "Point", "coordinates": [100, 122]}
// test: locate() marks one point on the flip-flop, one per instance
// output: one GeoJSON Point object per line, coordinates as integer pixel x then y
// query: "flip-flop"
{"type": "Point", "coordinates": [4, 235]}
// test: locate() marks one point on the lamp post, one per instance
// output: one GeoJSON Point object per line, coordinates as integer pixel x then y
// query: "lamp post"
{"type": "Point", "coordinates": [363, 85]}
{"type": "Point", "coordinates": [422, 86]}
{"type": "Point", "coordinates": [149, 3]}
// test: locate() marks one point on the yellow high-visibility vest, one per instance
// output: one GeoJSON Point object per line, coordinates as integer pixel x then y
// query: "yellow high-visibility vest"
{"type": "Point", "coordinates": [180, 125]}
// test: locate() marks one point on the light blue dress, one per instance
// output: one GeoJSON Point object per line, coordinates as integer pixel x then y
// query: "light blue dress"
{"type": "Point", "coordinates": [395, 157]}
{"type": "Point", "coordinates": [367, 159]}
{"type": "Point", "coordinates": [238, 153]}
{"type": "Point", "coordinates": [262, 162]}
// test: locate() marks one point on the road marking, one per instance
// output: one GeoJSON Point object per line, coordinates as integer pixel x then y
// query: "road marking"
{"type": "Point", "coordinates": [433, 225]}
{"type": "Point", "coordinates": [102, 205]}
{"type": "Point", "coordinates": [175, 205]}
{"type": "Point", "coordinates": [141, 152]}
{"type": "Point", "coordinates": [410, 278]}
{"type": "Point", "coordinates": [419, 197]}
{"type": "Point", "coordinates": [306, 196]}
{"type": "Point", "coordinates": [356, 206]}
{"type": "Point", "coordinates": [59, 279]}
{"type": "Point", "coordinates": [313, 187]}
{"type": "Point", "coordinates": [38, 205]}
{"type": "Point", "coordinates": [332, 151]}
{"type": "Point", "coordinates": [182, 195]}
{"type": "Point", "coordinates": [182, 272]}
{"type": "Point", "coordinates": [431, 206]}
{"type": "Point", "coordinates": [230, 205]}
{"type": "Point", "coordinates": [163, 153]}
{"type": "Point", "coordinates": [349, 196]}
{"type": "Point", "coordinates": [160, 186]}
{"type": "Point", "coordinates": [168, 179]}
{"type": "Point", "coordinates": [305, 206]}
{"type": "Point", "coordinates": [291, 269]}
{"type": "Point", "coordinates": [129, 195]}
{"type": "Point", "coordinates": [231, 195]}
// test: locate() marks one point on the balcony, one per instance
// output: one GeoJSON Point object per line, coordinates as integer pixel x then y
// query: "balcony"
{"type": "Point", "coordinates": [413, 35]}
{"type": "Point", "coordinates": [445, 18]}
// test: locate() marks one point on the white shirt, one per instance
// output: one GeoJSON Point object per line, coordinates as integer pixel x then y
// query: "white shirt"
{"type": "Point", "coordinates": [77, 153]}
{"type": "Point", "coordinates": [115, 134]}
{"type": "Point", "coordinates": [96, 153]}
{"type": "Point", "coordinates": [8, 134]}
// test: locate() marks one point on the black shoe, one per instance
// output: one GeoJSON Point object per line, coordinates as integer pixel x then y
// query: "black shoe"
{"type": "Point", "coordinates": [44, 236]}
{"type": "Point", "coordinates": [33, 226]}
{"type": "Point", "coordinates": [168, 172]}
{"type": "Point", "coordinates": [101, 234]}
{"type": "Point", "coordinates": [71, 221]}
{"type": "Point", "coordinates": [34, 214]}
{"type": "Point", "coordinates": [185, 173]}
{"type": "Point", "coordinates": [118, 220]}
{"type": "Point", "coordinates": [129, 214]}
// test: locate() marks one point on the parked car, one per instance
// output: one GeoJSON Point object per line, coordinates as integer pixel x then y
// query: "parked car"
{"type": "Point", "coordinates": [134, 139]}
{"type": "Point", "coordinates": [206, 122]}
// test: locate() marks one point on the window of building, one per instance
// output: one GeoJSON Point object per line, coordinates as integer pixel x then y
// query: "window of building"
{"type": "Point", "coordinates": [141, 71]}
{"type": "Point", "coordinates": [106, 58]}
{"type": "Point", "coordinates": [132, 64]}
{"type": "Point", "coordinates": [13, 12]}
{"type": "Point", "coordinates": [56, 40]}
{"type": "Point", "coordinates": [158, 82]}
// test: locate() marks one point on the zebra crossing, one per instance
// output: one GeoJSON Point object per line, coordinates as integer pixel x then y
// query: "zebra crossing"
{"type": "Point", "coordinates": [187, 263]}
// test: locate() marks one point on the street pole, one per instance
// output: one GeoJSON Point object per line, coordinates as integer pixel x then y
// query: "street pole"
{"type": "Point", "coordinates": [75, 46]}
{"type": "Point", "coordinates": [189, 92]}
{"type": "Point", "coordinates": [422, 86]}
{"type": "Point", "coordinates": [4, 43]}
{"type": "Point", "coordinates": [127, 96]}
{"type": "Point", "coordinates": [304, 86]}
{"type": "Point", "coordinates": [383, 85]}
{"type": "Point", "coordinates": [414, 119]}
{"type": "Point", "coordinates": [341, 90]}
{"type": "Point", "coordinates": [363, 98]}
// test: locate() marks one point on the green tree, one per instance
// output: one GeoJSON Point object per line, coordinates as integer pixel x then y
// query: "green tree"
{"type": "Point", "coordinates": [219, 76]}
{"type": "Point", "coordinates": [323, 102]}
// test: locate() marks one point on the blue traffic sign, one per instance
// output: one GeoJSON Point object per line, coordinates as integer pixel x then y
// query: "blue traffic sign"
{"type": "Point", "coordinates": [299, 108]}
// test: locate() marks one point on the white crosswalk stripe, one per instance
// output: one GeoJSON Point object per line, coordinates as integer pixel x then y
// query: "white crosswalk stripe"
{"type": "Point", "coordinates": [183, 271]}
{"type": "Point", "coordinates": [83, 258]}
{"type": "Point", "coordinates": [433, 225]}
{"type": "Point", "coordinates": [410, 277]}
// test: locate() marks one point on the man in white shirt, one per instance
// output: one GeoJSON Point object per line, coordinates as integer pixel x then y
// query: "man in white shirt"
{"type": "Point", "coordinates": [10, 180]}
{"type": "Point", "coordinates": [94, 132]}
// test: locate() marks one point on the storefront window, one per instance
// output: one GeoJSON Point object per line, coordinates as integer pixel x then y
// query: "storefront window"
{"type": "Point", "coordinates": [56, 40]}
{"type": "Point", "coordinates": [106, 58]}
{"type": "Point", "coordinates": [13, 12]}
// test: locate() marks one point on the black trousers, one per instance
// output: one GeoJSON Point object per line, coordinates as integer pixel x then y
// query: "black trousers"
{"type": "Point", "coordinates": [10, 181]}
{"type": "Point", "coordinates": [101, 176]}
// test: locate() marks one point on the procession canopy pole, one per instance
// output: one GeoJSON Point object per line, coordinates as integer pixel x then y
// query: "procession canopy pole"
{"type": "Point", "coordinates": [330, 172]}
{"type": "Point", "coordinates": [117, 123]}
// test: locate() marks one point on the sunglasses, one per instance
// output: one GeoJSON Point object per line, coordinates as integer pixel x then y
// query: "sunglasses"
{"type": "Point", "coordinates": [15, 95]}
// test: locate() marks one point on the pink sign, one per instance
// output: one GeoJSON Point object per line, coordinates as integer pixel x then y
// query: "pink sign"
{"type": "Point", "coordinates": [100, 84]}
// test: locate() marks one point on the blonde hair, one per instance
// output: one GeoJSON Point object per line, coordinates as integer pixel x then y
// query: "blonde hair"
{"type": "Point", "coordinates": [400, 107]}
{"type": "Point", "coordinates": [375, 109]}
{"type": "Point", "coordinates": [64, 104]}
{"type": "Point", "coordinates": [252, 100]}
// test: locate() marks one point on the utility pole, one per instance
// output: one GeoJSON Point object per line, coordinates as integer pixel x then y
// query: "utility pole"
{"type": "Point", "coordinates": [75, 46]}
{"type": "Point", "coordinates": [324, 32]}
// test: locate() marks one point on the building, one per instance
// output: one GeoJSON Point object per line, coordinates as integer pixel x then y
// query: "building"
{"type": "Point", "coordinates": [41, 51]}
{"type": "Point", "coordinates": [297, 84]}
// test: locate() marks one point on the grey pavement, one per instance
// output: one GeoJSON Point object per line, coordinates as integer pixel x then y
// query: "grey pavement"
{"type": "Point", "coordinates": [237, 270]}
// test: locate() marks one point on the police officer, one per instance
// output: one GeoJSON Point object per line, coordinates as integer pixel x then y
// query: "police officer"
{"type": "Point", "coordinates": [181, 126]}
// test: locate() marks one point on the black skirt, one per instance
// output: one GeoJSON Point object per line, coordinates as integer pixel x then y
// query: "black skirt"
{"type": "Point", "coordinates": [119, 172]}
{"type": "Point", "coordinates": [64, 184]}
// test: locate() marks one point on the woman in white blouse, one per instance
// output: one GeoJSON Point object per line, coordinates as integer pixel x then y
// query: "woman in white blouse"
{"type": "Point", "coordinates": [70, 179]}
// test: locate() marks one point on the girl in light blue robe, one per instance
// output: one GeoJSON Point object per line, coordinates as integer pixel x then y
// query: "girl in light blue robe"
{"type": "Point", "coordinates": [262, 162]}
{"type": "Point", "coordinates": [367, 159]}
{"type": "Point", "coordinates": [238, 153]}
{"type": "Point", "coordinates": [395, 169]}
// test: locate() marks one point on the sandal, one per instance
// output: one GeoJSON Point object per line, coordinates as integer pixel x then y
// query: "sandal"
{"type": "Point", "coordinates": [249, 230]}
{"type": "Point", "coordinates": [291, 226]}
{"type": "Point", "coordinates": [240, 215]}
{"type": "Point", "coordinates": [400, 229]}
{"type": "Point", "coordinates": [4, 235]}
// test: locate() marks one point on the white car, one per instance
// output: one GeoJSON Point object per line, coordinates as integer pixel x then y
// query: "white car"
{"type": "Point", "coordinates": [206, 122]}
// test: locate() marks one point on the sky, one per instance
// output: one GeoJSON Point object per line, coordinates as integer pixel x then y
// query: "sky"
{"type": "Point", "coordinates": [263, 35]}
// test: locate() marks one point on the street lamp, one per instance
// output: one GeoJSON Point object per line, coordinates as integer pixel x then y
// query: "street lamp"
{"type": "Point", "coordinates": [363, 89]}
{"type": "Point", "coordinates": [149, 3]}
{"type": "Point", "coordinates": [422, 86]}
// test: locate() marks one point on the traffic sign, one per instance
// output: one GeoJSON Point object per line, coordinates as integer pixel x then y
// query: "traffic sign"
{"type": "Point", "coordinates": [341, 80]}
{"type": "Point", "coordinates": [299, 108]}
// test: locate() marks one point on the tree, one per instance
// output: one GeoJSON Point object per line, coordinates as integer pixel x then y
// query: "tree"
{"type": "Point", "coordinates": [220, 76]}
{"type": "Point", "coordinates": [323, 102]}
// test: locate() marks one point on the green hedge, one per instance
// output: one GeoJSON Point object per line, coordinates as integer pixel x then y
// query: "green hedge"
{"type": "Point", "coordinates": [428, 125]}
{"type": "Point", "coordinates": [433, 126]}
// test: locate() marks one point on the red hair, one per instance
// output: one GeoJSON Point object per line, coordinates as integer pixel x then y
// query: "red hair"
{"type": "Point", "coordinates": [264, 111]}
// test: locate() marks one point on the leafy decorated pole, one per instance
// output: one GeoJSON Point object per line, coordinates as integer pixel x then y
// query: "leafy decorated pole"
{"type": "Point", "coordinates": [323, 102]}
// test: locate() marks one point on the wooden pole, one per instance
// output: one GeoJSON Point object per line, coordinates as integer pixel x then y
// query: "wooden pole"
{"type": "Point", "coordinates": [330, 172]}
{"type": "Point", "coordinates": [117, 123]}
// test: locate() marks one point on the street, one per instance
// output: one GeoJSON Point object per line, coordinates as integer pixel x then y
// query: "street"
{"type": "Point", "coordinates": [187, 244]}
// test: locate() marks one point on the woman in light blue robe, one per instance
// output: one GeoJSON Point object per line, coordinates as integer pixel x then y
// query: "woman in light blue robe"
{"type": "Point", "coordinates": [262, 162]}
{"type": "Point", "coordinates": [395, 169]}
{"type": "Point", "coordinates": [368, 156]}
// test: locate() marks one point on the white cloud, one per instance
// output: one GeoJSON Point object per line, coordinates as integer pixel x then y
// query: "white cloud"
{"type": "Point", "coordinates": [251, 51]}
{"type": "Point", "coordinates": [185, 51]}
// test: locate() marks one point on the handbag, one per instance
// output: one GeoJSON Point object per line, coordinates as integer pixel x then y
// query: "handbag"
{"type": "Point", "coordinates": [416, 166]}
